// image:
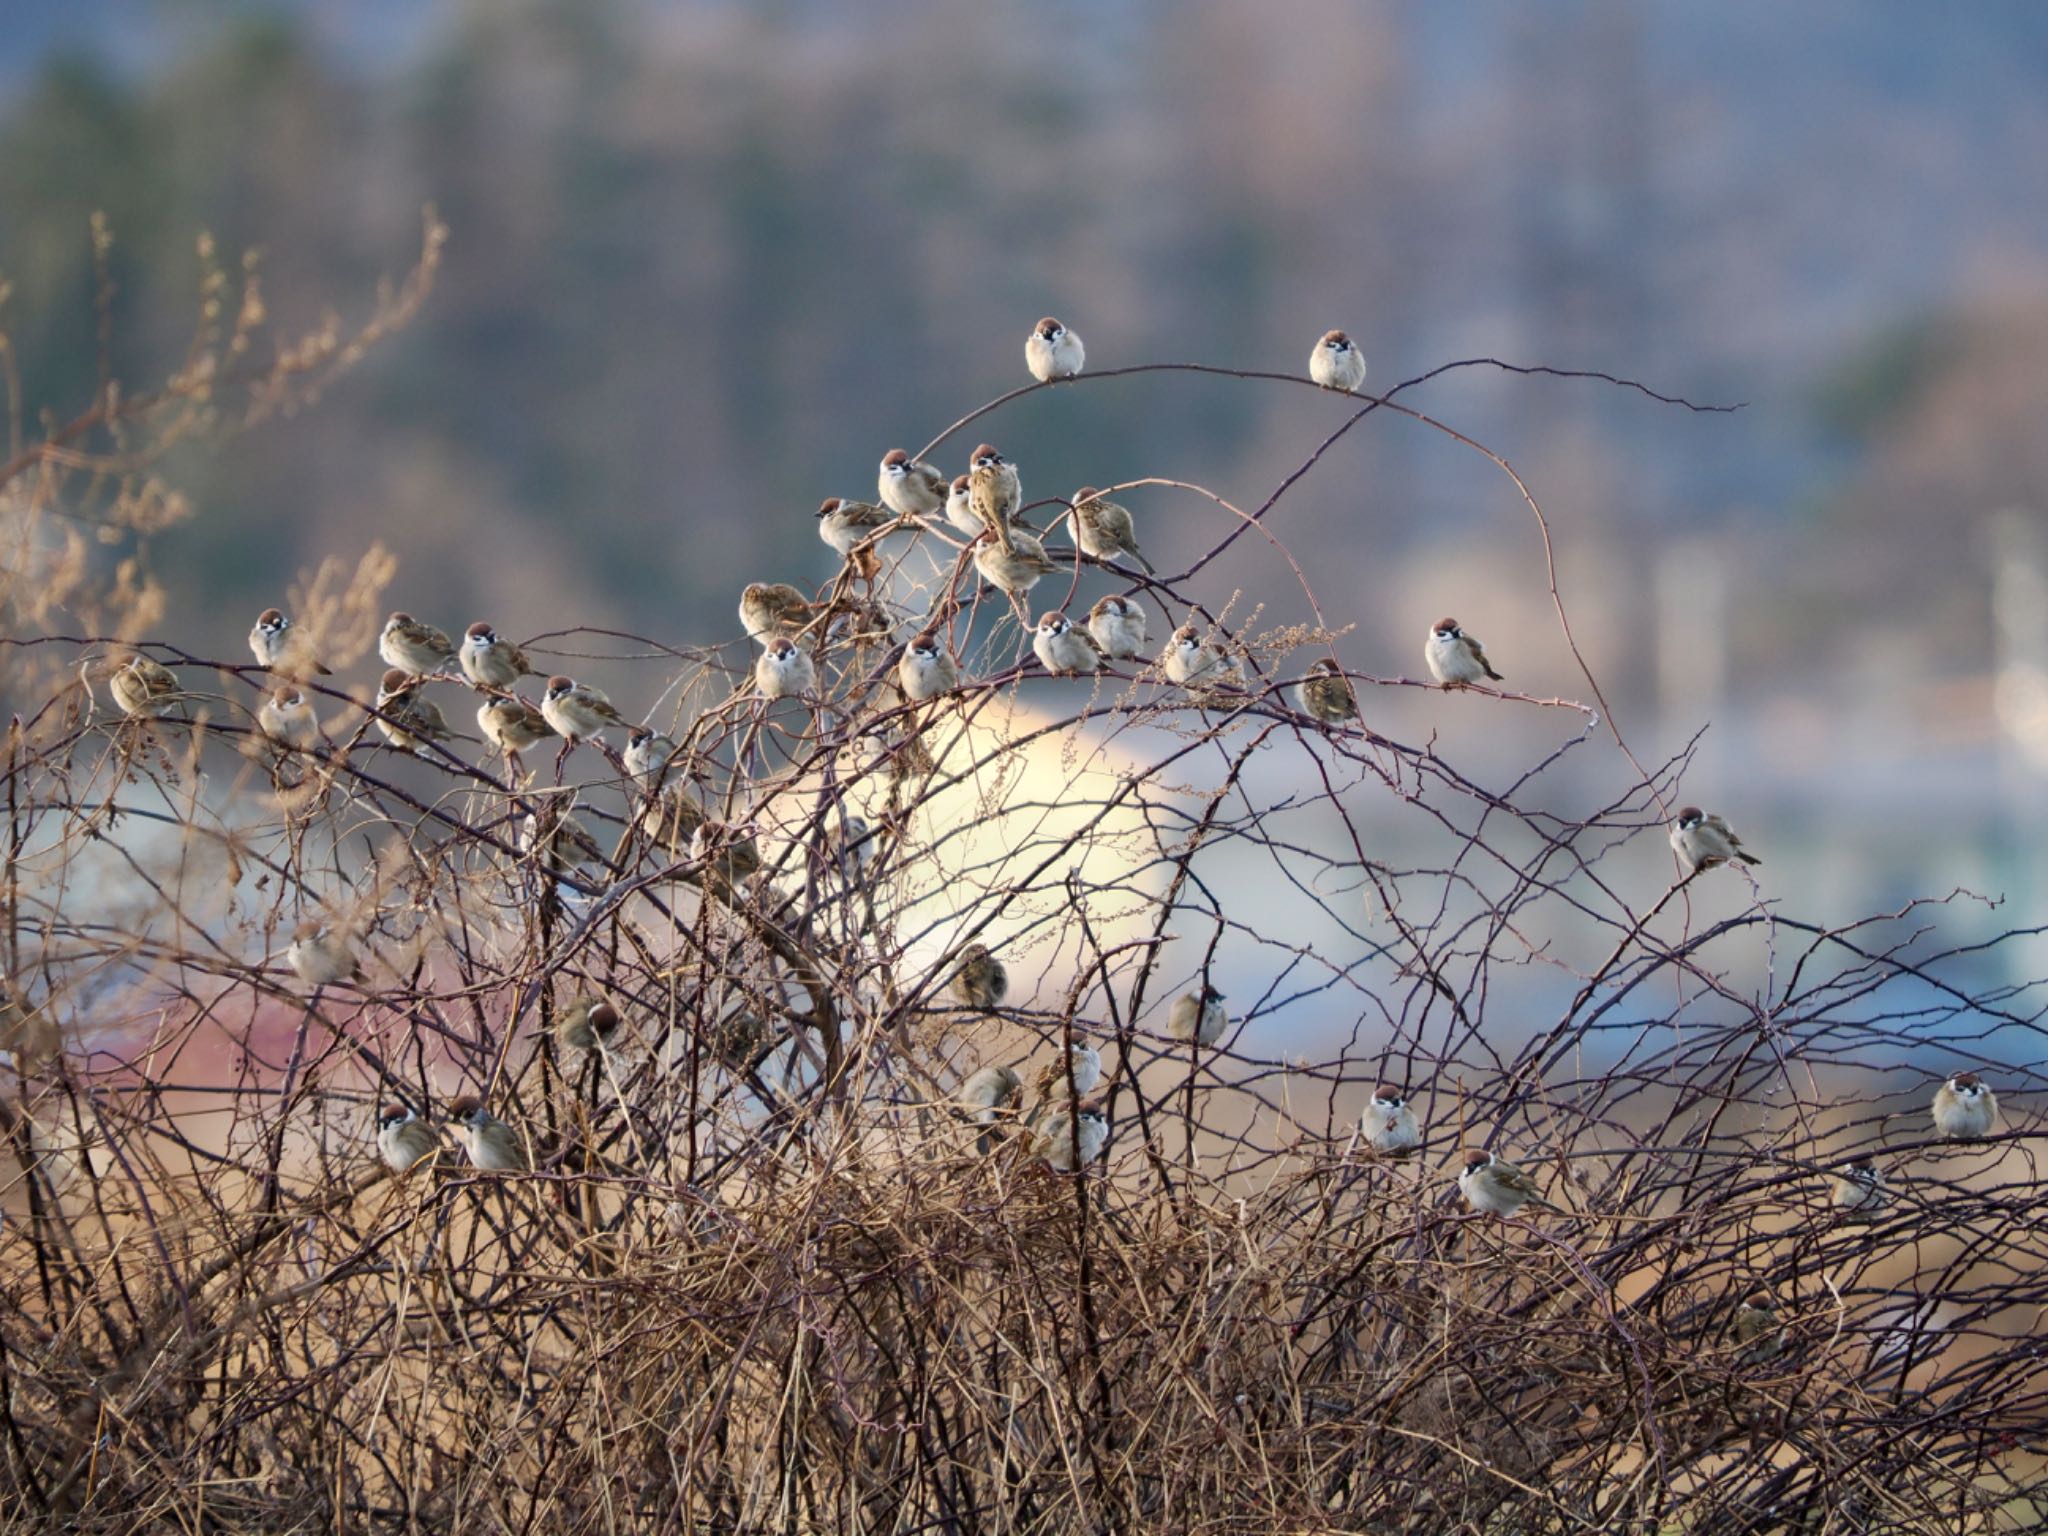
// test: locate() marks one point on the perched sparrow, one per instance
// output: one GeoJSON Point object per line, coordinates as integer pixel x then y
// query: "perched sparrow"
{"type": "Point", "coordinates": [321, 956]}
{"type": "Point", "coordinates": [287, 719]}
{"type": "Point", "coordinates": [647, 752]}
{"type": "Point", "coordinates": [1118, 625]}
{"type": "Point", "coordinates": [980, 980]}
{"type": "Point", "coordinates": [558, 841]}
{"type": "Point", "coordinates": [1049, 1086]}
{"type": "Point", "coordinates": [490, 662]}
{"type": "Point", "coordinates": [586, 1024]}
{"type": "Point", "coordinates": [785, 672]}
{"type": "Point", "coordinates": [1325, 694]}
{"type": "Point", "coordinates": [864, 624]}
{"type": "Point", "coordinates": [1069, 1144]}
{"type": "Point", "coordinates": [925, 671]}
{"type": "Point", "coordinates": [1198, 1016]}
{"type": "Point", "coordinates": [413, 647]}
{"type": "Point", "coordinates": [989, 1093]}
{"type": "Point", "coordinates": [726, 851]}
{"type": "Point", "coordinates": [1703, 840]}
{"type": "Point", "coordinates": [843, 524]}
{"type": "Point", "coordinates": [1052, 351]}
{"type": "Point", "coordinates": [849, 844]}
{"type": "Point", "coordinates": [1758, 1329]}
{"type": "Point", "coordinates": [408, 717]}
{"type": "Point", "coordinates": [1858, 1191]}
{"type": "Point", "coordinates": [1964, 1108]}
{"type": "Point", "coordinates": [512, 725]}
{"type": "Point", "coordinates": [1194, 662]}
{"type": "Point", "coordinates": [737, 1040]}
{"type": "Point", "coordinates": [1336, 363]}
{"type": "Point", "coordinates": [1104, 529]}
{"type": "Point", "coordinates": [1063, 648]}
{"type": "Point", "coordinates": [281, 648]}
{"type": "Point", "coordinates": [404, 1140]}
{"type": "Point", "coordinates": [492, 1145]}
{"type": "Point", "coordinates": [768, 609]}
{"type": "Point", "coordinates": [671, 819]}
{"type": "Point", "coordinates": [910, 488]}
{"type": "Point", "coordinates": [1014, 567]}
{"type": "Point", "coordinates": [1389, 1123]}
{"type": "Point", "coordinates": [579, 711]}
{"type": "Point", "coordinates": [143, 688]}
{"type": "Point", "coordinates": [994, 491]}
{"type": "Point", "coordinates": [960, 507]}
{"type": "Point", "coordinates": [1455, 658]}
{"type": "Point", "coordinates": [1493, 1186]}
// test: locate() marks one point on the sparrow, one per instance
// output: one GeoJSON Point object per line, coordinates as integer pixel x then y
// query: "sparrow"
{"type": "Point", "coordinates": [1118, 625]}
{"type": "Point", "coordinates": [1198, 1016]}
{"type": "Point", "coordinates": [1193, 662]}
{"type": "Point", "coordinates": [990, 1093]}
{"type": "Point", "coordinates": [1013, 567]}
{"type": "Point", "coordinates": [768, 609]}
{"type": "Point", "coordinates": [1104, 530]}
{"type": "Point", "coordinates": [1068, 1144]}
{"type": "Point", "coordinates": [785, 672]}
{"type": "Point", "coordinates": [1061, 647]}
{"type": "Point", "coordinates": [490, 662]}
{"type": "Point", "coordinates": [1455, 658]}
{"type": "Point", "coordinates": [647, 752]}
{"type": "Point", "coordinates": [980, 980]}
{"type": "Point", "coordinates": [1703, 840]}
{"type": "Point", "coordinates": [925, 671]}
{"type": "Point", "coordinates": [843, 524]}
{"type": "Point", "coordinates": [849, 844]}
{"type": "Point", "coordinates": [726, 850]}
{"type": "Point", "coordinates": [994, 491]}
{"type": "Point", "coordinates": [287, 719]}
{"type": "Point", "coordinates": [1049, 1086]}
{"type": "Point", "coordinates": [586, 1024]}
{"type": "Point", "coordinates": [492, 1145]}
{"type": "Point", "coordinates": [1052, 351]}
{"type": "Point", "coordinates": [1757, 1328]}
{"type": "Point", "coordinates": [737, 1039]}
{"type": "Point", "coordinates": [1494, 1186]}
{"type": "Point", "coordinates": [407, 717]}
{"type": "Point", "coordinates": [671, 819]}
{"type": "Point", "coordinates": [864, 624]}
{"type": "Point", "coordinates": [910, 488]}
{"type": "Point", "coordinates": [512, 725]}
{"type": "Point", "coordinates": [413, 647]}
{"type": "Point", "coordinates": [404, 1140]}
{"type": "Point", "coordinates": [559, 841]}
{"type": "Point", "coordinates": [1964, 1108]}
{"type": "Point", "coordinates": [960, 507]}
{"type": "Point", "coordinates": [1389, 1124]}
{"type": "Point", "coordinates": [276, 645]}
{"type": "Point", "coordinates": [143, 688]}
{"type": "Point", "coordinates": [1858, 1190]}
{"type": "Point", "coordinates": [578, 711]}
{"type": "Point", "coordinates": [321, 956]}
{"type": "Point", "coordinates": [1325, 694]}
{"type": "Point", "coordinates": [1335, 363]}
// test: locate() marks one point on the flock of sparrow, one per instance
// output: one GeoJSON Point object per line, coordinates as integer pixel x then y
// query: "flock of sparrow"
{"type": "Point", "coordinates": [985, 506]}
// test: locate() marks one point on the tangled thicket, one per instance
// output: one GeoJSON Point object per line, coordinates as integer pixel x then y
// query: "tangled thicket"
{"type": "Point", "coordinates": [765, 1274]}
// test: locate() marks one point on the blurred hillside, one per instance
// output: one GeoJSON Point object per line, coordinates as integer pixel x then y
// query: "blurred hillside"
{"type": "Point", "coordinates": [710, 260]}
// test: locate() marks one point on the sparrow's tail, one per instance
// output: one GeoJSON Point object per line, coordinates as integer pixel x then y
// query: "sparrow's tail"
{"type": "Point", "coordinates": [1138, 555]}
{"type": "Point", "coordinates": [1747, 858]}
{"type": "Point", "coordinates": [1491, 673]}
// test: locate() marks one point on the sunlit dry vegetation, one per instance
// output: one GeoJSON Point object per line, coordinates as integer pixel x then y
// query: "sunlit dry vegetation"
{"type": "Point", "coordinates": [762, 1255]}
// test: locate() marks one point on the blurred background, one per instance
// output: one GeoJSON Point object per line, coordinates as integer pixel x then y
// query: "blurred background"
{"type": "Point", "coordinates": [709, 260]}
